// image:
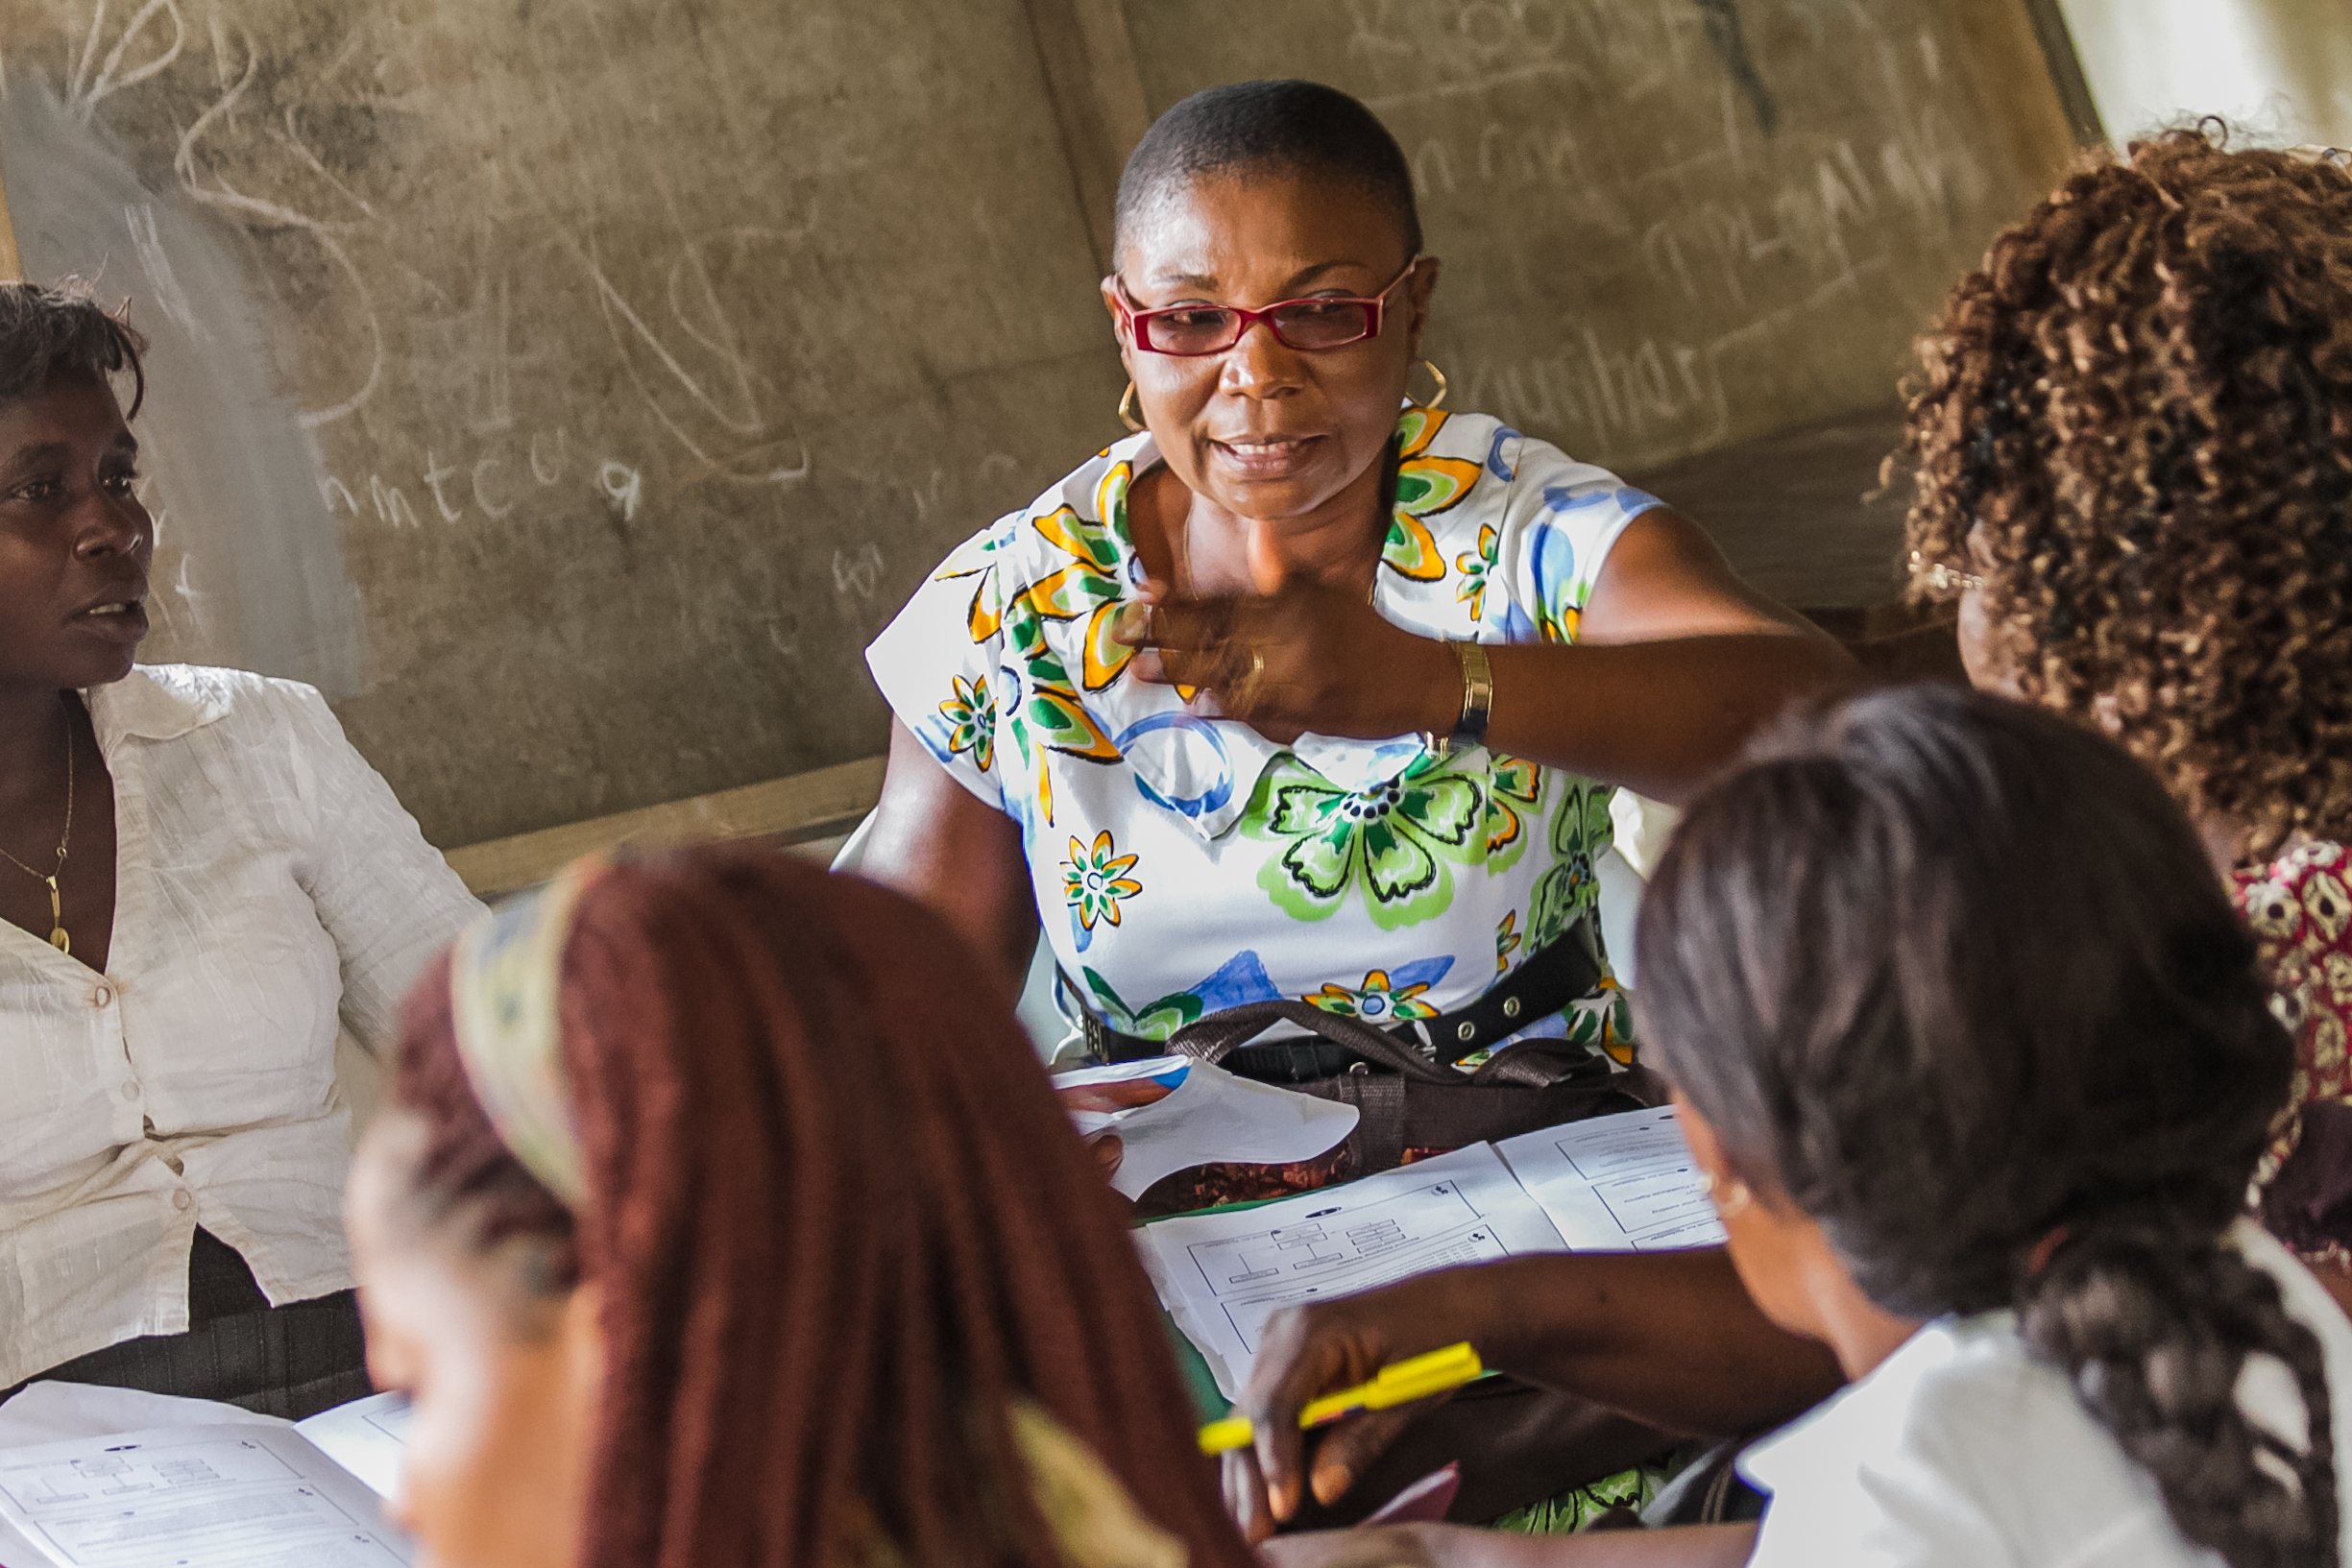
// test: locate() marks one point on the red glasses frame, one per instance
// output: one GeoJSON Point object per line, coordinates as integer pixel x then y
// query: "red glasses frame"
{"type": "Point", "coordinates": [1139, 321]}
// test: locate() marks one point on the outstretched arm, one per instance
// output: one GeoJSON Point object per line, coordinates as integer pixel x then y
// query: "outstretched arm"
{"type": "Point", "coordinates": [1676, 663]}
{"type": "Point", "coordinates": [942, 846]}
{"type": "Point", "coordinates": [1667, 1337]}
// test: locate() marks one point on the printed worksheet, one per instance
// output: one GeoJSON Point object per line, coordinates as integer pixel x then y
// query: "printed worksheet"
{"type": "Point", "coordinates": [1623, 1183]}
{"type": "Point", "coordinates": [194, 1497]}
{"type": "Point", "coordinates": [366, 1437]}
{"type": "Point", "coordinates": [1223, 1275]}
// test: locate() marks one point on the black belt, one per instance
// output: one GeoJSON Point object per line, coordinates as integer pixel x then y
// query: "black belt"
{"type": "Point", "coordinates": [1551, 977]}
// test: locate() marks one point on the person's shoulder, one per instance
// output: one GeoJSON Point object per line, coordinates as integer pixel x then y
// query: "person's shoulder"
{"type": "Point", "coordinates": [2302, 897]}
{"type": "Point", "coordinates": [1963, 1433]}
{"type": "Point", "coordinates": [1041, 533]}
{"type": "Point", "coordinates": [1513, 481]}
{"type": "Point", "coordinates": [163, 702]}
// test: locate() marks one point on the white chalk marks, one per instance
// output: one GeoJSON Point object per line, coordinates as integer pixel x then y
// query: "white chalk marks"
{"type": "Point", "coordinates": [1687, 216]}
{"type": "Point", "coordinates": [461, 295]}
{"type": "Point", "coordinates": [489, 486]}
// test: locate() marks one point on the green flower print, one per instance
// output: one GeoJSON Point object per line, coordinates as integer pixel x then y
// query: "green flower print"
{"type": "Point", "coordinates": [1515, 796]}
{"type": "Point", "coordinates": [1603, 1021]}
{"type": "Point", "coordinates": [1475, 564]}
{"type": "Point", "coordinates": [1579, 832]}
{"type": "Point", "coordinates": [1507, 941]}
{"type": "Point", "coordinates": [971, 720]}
{"type": "Point", "coordinates": [1376, 1000]}
{"type": "Point", "coordinates": [1155, 1020]}
{"type": "Point", "coordinates": [1093, 880]}
{"type": "Point", "coordinates": [1393, 840]}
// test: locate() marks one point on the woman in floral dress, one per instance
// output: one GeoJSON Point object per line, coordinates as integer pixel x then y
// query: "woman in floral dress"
{"type": "Point", "coordinates": [1304, 689]}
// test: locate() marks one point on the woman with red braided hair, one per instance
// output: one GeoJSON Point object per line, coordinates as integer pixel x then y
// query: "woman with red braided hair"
{"type": "Point", "coordinates": [693, 1253]}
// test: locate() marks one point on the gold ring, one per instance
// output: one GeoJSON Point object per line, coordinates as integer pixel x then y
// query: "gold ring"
{"type": "Point", "coordinates": [1245, 688]}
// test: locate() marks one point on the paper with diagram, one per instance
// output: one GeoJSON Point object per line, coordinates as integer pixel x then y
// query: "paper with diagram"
{"type": "Point", "coordinates": [366, 1437]}
{"type": "Point", "coordinates": [230, 1496]}
{"type": "Point", "coordinates": [1222, 1274]}
{"type": "Point", "coordinates": [1623, 1183]}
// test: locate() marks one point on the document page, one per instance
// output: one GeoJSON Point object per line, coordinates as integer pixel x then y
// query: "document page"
{"type": "Point", "coordinates": [366, 1437]}
{"type": "Point", "coordinates": [1222, 1275]}
{"type": "Point", "coordinates": [194, 1497]}
{"type": "Point", "coordinates": [1623, 1183]}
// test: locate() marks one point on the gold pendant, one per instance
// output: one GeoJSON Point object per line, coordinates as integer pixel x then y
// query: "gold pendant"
{"type": "Point", "coordinates": [58, 938]}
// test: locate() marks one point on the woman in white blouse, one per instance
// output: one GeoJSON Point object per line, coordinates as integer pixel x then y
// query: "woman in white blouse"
{"type": "Point", "coordinates": [1977, 1060]}
{"type": "Point", "coordinates": [200, 881]}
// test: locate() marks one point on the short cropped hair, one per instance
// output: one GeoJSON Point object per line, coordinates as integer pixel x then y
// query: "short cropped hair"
{"type": "Point", "coordinates": [1298, 127]}
{"type": "Point", "coordinates": [49, 335]}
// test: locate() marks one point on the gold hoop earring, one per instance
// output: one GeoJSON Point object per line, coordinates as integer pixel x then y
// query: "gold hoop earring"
{"type": "Point", "coordinates": [1126, 409]}
{"type": "Point", "coordinates": [1437, 376]}
{"type": "Point", "coordinates": [1736, 1196]}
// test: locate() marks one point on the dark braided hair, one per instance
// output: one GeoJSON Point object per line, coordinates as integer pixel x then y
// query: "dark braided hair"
{"type": "Point", "coordinates": [839, 1224]}
{"type": "Point", "coordinates": [1955, 978]}
{"type": "Point", "coordinates": [2144, 399]}
{"type": "Point", "coordinates": [1287, 127]}
{"type": "Point", "coordinates": [49, 335]}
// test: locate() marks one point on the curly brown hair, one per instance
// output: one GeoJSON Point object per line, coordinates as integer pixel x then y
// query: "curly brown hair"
{"type": "Point", "coordinates": [2144, 397]}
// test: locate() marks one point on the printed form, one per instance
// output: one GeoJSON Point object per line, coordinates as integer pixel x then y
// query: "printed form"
{"type": "Point", "coordinates": [1623, 1183]}
{"type": "Point", "coordinates": [230, 1496]}
{"type": "Point", "coordinates": [1222, 1275]}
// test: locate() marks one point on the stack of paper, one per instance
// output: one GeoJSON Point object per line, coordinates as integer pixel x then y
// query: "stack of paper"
{"type": "Point", "coordinates": [195, 1497]}
{"type": "Point", "coordinates": [1616, 1183]}
{"type": "Point", "coordinates": [199, 1485]}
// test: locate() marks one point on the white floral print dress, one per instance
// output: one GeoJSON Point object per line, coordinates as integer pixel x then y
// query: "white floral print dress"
{"type": "Point", "coordinates": [1185, 864]}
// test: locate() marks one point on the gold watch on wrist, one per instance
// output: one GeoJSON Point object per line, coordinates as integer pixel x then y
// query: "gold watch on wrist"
{"type": "Point", "coordinates": [1477, 702]}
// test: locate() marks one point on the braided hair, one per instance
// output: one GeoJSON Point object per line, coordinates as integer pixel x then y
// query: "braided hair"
{"type": "Point", "coordinates": [2143, 399]}
{"type": "Point", "coordinates": [840, 1226]}
{"type": "Point", "coordinates": [1954, 976]}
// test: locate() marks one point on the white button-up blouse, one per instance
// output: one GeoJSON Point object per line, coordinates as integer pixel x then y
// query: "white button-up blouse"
{"type": "Point", "coordinates": [267, 886]}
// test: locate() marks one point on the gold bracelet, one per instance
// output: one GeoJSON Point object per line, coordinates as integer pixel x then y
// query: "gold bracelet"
{"type": "Point", "coordinates": [1477, 702]}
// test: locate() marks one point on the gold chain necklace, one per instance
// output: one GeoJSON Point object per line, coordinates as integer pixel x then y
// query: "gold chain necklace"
{"type": "Point", "coordinates": [58, 938]}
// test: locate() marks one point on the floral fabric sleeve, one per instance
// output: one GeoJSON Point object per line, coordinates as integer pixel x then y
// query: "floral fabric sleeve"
{"type": "Point", "coordinates": [1557, 529]}
{"type": "Point", "coordinates": [939, 663]}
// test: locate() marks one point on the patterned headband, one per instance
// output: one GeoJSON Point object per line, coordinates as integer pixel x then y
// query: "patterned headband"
{"type": "Point", "coordinates": [505, 975]}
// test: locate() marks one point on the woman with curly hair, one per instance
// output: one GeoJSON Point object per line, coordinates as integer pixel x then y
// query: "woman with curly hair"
{"type": "Point", "coordinates": [693, 1251]}
{"type": "Point", "coordinates": [2134, 448]}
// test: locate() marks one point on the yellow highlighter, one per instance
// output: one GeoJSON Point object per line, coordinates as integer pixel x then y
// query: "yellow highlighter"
{"type": "Point", "coordinates": [1399, 1383]}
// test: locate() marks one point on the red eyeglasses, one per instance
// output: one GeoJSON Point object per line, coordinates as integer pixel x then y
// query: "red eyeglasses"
{"type": "Point", "coordinates": [1309, 326]}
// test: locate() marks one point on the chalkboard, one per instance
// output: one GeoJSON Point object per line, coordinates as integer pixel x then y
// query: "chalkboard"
{"type": "Point", "coordinates": [1670, 225]}
{"type": "Point", "coordinates": [572, 387]}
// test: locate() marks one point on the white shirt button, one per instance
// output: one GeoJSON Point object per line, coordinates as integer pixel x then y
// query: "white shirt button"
{"type": "Point", "coordinates": [131, 1091]}
{"type": "Point", "coordinates": [101, 997]}
{"type": "Point", "coordinates": [182, 1202]}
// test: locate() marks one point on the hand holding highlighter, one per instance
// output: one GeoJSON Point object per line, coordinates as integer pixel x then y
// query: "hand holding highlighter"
{"type": "Point", "coordinates": [1397, 1384]}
